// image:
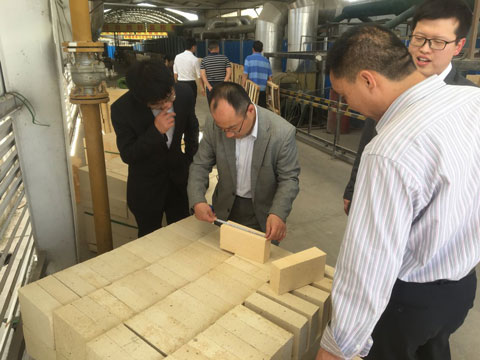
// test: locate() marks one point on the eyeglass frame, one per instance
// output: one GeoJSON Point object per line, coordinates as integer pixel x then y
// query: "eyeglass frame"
{"type": "Point", "coordinates": [425, 40]}
{"type": "Point", "coordinates": [236, 132]}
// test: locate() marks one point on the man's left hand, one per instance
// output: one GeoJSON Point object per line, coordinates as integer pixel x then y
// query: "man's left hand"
{"type": "Point", "coordinates": [276, 228]}
{"type": "Point", "coordinates": [325, 355]}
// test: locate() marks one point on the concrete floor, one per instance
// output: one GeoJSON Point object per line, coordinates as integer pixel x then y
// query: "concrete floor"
{"type": "Point", "coordinates": [317, 219]}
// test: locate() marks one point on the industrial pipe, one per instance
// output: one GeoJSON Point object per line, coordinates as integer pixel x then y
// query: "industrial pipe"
{"type": "Point", "coordinates": [89, 92]}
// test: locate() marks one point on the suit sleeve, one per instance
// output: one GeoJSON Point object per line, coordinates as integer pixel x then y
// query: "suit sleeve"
{"type": "Point", "coordinates": [368, 134]}
{"type": "Point", "coordinates": [203, 161]}
{"type": "Point", "coordinates": [135, 148]}
{"type": "Point", "coordinates": [287, 172]}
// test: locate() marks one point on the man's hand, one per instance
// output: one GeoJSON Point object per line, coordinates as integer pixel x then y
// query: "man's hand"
{"type": "Point", "coordinates": [209, 87]}
{"type": "Point", "coordinates": [325, 355]}
{"type": "Point", "coordinates": [346, 205]}
{"type": "Point", "coordinates": [276, 228]}
{"type": "Point", "coordinates": [204, 212]}
{"type": "Point", "coordinates": [164, 121]}
{"type": "Point", "coordinates": [203, 91]}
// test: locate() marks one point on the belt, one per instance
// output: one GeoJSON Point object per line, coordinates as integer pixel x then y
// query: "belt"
{"type": "Point", "coordinates": [187, 81]}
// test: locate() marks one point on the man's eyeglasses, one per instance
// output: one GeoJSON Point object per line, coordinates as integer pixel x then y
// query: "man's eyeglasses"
{"type": "Point", "coordinates": [435, 44]}
{"type": "Point", "coordinates": [232, 128]}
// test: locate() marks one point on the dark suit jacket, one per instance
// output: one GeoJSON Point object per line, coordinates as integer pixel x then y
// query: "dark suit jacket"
{"type": "Point", "coordinates": [369, 132]}
{"type": "Point", "coordinates": [150, 162]}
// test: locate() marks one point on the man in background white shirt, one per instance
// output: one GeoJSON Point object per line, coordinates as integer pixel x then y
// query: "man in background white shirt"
{"type": "Point", "coordinates": [186, 68]}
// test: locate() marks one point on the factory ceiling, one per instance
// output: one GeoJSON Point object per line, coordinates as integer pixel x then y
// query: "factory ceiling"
{"type": "Point", "coordinates": [153, 11]}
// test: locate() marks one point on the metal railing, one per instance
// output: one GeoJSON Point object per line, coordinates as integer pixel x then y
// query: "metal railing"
{"type": "Point", "coordinates": [17, 251]}
{"type": "Point", "coordinates": [304, 131]}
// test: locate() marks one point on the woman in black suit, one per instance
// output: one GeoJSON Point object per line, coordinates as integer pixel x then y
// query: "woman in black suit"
{"type": "Point", "coordinates": [149, 121]}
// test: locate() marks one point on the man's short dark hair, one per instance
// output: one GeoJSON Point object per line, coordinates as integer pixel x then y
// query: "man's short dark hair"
{"type": "Point", "coordinates": [212, 45]}
{"type": "Point", "coordinates": [189, 43]}
{"type": "Point", "coordinates": [369, 47]}
{"type": "Point", "coordinates": [445, 9]}
{"type": "Point", "coordinates": [258, 46]}
{"type": "Point", "coordinates": [150, 81]}
{"type": "Point", "coordinates": [232, 93]}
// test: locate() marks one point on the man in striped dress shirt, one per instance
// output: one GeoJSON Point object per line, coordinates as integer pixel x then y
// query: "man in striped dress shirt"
{"type": "Point", "coordinates": [433, 19]}
{"type": "Point", "coordinates": [214, 68]}
{"type": "Point", "coordinates": [405, 277]}
{"type": "Point", "coordinates": [257, 68]}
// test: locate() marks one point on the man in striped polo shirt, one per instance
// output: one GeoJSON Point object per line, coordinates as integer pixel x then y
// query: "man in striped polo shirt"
{"type": "Point", "coordinates": [405, 275]}
{"type": "Point", "coordinates": [257, 68]}
{"type": "Point", "coordinates": [215, 68]}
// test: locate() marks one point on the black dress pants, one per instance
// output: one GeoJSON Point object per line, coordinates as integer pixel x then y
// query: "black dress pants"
{"type": "Point", "coordinates": [193, 85]}
{"type": "Point", "coordinates": [174, 203]}
{"type": "Point", "coordinates": [420, 317]}
{"type": "Point", "coordinates": [262, 99]}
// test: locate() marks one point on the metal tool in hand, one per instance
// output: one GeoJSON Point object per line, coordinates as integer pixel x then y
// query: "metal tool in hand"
{"type": "Point", "coordinates": [219, 222]}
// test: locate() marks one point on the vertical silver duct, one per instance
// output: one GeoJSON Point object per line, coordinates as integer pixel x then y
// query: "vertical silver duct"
{"type": "Point", "coordinates": [302, 30]}
{"type": "Point", "coordinates": [303, 18]}
{"type": "Point", "coordinates": [270, 28]}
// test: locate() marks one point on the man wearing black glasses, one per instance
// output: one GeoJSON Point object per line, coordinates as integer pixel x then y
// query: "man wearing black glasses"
{"type": "Point", "coordinates": [150, 121]}
{"type": "Point", "coordinates": [439, 33]}
{"type": "Point", "coordinates": [256, 156]}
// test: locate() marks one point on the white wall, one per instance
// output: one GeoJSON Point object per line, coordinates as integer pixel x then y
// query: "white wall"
{"type": "Point", "coordinates": [30, 60]}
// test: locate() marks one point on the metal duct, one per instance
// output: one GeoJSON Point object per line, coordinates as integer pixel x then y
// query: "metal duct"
{"type": "Point", "coordinates": [269, 31]}
{"type": "Point", "coordinates": [217, 32]}
{"type": "Point", "coordinates": [302, 25]}
{"type": "Point", "coordinates": [227, 22]}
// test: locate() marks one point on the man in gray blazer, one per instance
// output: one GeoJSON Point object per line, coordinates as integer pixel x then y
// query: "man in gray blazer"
{"type": "Point", "coordinates": [256, 157]}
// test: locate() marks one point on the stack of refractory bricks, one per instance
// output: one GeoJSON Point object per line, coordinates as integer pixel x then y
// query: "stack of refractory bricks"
{"type": "Point", "coordinates": [175, 294]}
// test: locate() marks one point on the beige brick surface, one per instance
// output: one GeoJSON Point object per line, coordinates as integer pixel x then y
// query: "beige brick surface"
{"type": "Point", "coordinates": [317, 297]}
{"type": "Point", "coordinates": [299, 305]}
{"type": "Point", "coordinates": [297, 270]}
{"type": "Point", "coordinates": [251, 246]}
{"type": "Point", "coordinates": [285, 318]}
{"type": "Point", "coordinates": [36, 348]}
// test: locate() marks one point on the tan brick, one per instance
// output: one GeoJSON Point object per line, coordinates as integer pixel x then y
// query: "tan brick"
{"type": "Point", "coordinates": [158, 329]}
{"type": "Point", "coordinates": [243, 243]}
{"type": "Point", "coordinates": [81, 279]}
{"type": "Point", "coordinates": [140, 290]}
{"type": "Point", "coordinates": [297, 304]}
{"type": "Point", "coordinates": [317, 297]}
{"type": "Point", "coordinates": [186, 352]}
{"type": "Point", "coordinates": [201, 249]}
{"type": "Point", "coordinates": [36, 348]}
{"type": "Point", "coordinates": [187, 266]}
{"type": "Point", "coordinates": [57, 289]}
{"type": "Point", "coordinates": [200, 228]}
{"type": "Point", "coordinates": [239, 275]}
{"type": "Point", "coordinates": [325, 284]}
{"type": "Point", "coordinates": [297, 270]}
{"type": "Point", "coordinates": [36, 307]}
{"type": "Point", "coordinates": [260, 272]}
{"type": "Point", "coordinates": [152, 250]}
{"type": "Point", "coordinates": [329, 271]}
{"type": "Point", "coordinates": [212, 239]}
{"type": "Point", "coordinates": [208, 298]}
{"type": "Point", "coordinates": [116, 264]}
{"type": "Point", "coordinates": [285, 318]}
{"type": "Point", "coordinates": [211, 349]}
{"type": "Point", "coordinates": [233, 343]}
{"type": "Point", "coordinates": [257, 331]}
{"type": "Point", "coordinates": [166, 275]}
{"type": "Point", "coordinates": [121, 343]}
{"type": "Point", "coordinates": [85, 319]}
{"type": "Point", "coordinates": [225, 287]}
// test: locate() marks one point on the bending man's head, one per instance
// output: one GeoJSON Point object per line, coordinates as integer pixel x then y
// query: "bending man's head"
{"type": "Point", "coordinates": [368, 65]}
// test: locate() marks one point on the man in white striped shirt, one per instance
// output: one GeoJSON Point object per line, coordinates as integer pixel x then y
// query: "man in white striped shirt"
{"type": "Point", "coordinates": [405, 277]}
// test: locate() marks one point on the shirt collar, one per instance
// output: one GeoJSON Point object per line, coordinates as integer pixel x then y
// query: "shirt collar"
{"type": "Point", "coordinates": [409, 97]}
{"type": "Point", "coordinates": [254, 132]}
{"type": "Point", "coordinates": [445, 72]}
